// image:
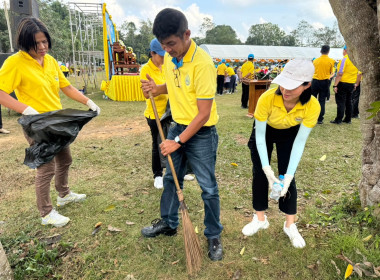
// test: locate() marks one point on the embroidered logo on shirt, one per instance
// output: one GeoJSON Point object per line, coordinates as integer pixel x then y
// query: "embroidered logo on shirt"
{"type": "Point", "coordinates": [298, 119]}
{"type": "Point", "coordinates": [56, 78]}
{"type": "Point", "coordinates": [187, 80]}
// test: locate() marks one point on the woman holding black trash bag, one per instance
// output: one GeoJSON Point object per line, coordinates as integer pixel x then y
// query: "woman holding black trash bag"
{"type": "Point", "coordinates": [36, 79]}
{"type": "Point", "coordinates": [284, 116]}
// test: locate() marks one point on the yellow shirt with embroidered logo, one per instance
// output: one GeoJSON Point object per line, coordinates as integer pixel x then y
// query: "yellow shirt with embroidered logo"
{"type": "Point", "coordinates": [222, 68]}
{"type": "Point", "coordinates": [324, 67]}
{"type": "Point", "coordinates": [35, 85]}
{"type": "Point", "coordinates": [194, 80]}
{"type": "Point", "coordinates": [270, 107]}
{"type": "Point", "coordinates": [159, 78]}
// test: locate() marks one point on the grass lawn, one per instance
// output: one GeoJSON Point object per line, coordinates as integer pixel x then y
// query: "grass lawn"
{"type": "Point", "coordinates": [111, 164]}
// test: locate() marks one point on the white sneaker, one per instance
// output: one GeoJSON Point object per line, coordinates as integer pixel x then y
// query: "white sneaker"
{"type": "Point", "coordinates": [295, 237]}
{"type": "Point", "coordinates": [158, 183]}
{"type": "Point", "coordinates": [4, 131]}
{"type": "Point", "coordinates": [188, 177]}
{"type": "Point", "coordinates": [54, 219]}
{"type": "Point", "coordinates": [71, 197]}
{"type": "Point", "coordinates": [254, 226]}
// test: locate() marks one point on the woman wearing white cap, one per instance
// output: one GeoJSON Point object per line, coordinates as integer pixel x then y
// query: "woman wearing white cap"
{"type": "Point", "coordinates": [284, 116]}
{"type": "Point", "coordinates": [153, 69]}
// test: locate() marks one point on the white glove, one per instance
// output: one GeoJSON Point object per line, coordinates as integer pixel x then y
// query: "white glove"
{"type": "Point", "coordinates": [270, 176]}
{"type": "Point", "coordinates": [93, 106]}
{"type": "Point", "coordinates": [287, 180]}
{"type": "Point", "coordinates": [30, 111]}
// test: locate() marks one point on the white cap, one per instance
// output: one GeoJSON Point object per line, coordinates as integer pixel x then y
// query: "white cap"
{"type": "Point", "coordinates": [295, 73]}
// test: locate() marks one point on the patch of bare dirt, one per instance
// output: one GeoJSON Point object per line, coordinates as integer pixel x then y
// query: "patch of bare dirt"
{"type": "Point", "coordinates": [112, 129]}
{"type": "Point", "coordinates": [240, 139]}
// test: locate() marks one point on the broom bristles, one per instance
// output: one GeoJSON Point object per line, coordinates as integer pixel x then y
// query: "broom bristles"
{"type": "Point", "coordinates": [192, 244]}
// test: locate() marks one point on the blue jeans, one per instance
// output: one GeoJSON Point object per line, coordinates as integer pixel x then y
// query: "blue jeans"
{"type": "Point", "coordinates": [200, 153]}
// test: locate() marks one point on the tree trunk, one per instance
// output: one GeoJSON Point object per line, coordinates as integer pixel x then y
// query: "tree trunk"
{"type": "Point", "coordinates": [5, 269]}
{"type": "Point", "coordinates": [359, 23]}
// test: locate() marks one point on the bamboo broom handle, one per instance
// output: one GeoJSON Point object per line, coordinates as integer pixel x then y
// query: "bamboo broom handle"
{"type": "Point", "coordinates": [179, 191]}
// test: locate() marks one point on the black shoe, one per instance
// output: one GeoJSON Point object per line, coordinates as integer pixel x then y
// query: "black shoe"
{"type": "Point", "coordinates": [215, 249]}
{"type": "Point", "coordinates": [346, 121]}
{"type": "Point", "coordinates": [158, 227]}
{"type": "Point", "coordinates": [243, 107]}
{"type": "Point", "coordinates": [355, 117]}
{"type": "Point", "coordinates": [320, 122]}
{"type": "Point", "coordinates": [335, 122]}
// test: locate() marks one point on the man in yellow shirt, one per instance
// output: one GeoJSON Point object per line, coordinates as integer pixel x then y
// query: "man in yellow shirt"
{"type": "Point", "coordinates": [231, 73]}
{"type": "Point", "coordinates": [320, 86]}
{"type": "Point", "coordinates": [221, 71]}
{"type": "Point", "coordinates": [190, 83]}
{"type": "Point", "coordinates": [246, 75]}
{"type": "Point", "coordinates": [344, 85]}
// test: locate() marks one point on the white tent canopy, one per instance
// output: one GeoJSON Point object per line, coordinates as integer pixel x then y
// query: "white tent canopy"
{"type": "Point", "coordinates": [241, 52]}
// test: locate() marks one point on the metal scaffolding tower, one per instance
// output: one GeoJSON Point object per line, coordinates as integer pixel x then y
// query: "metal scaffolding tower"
{"type": "Point", "coordinates": [86, 35]}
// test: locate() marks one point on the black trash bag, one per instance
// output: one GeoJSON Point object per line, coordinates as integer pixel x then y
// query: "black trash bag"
{"type": "Point", "coordinates": [52, 132]}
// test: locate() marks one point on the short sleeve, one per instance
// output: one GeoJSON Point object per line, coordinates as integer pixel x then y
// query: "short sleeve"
{"type": "Point", "coordinates": [143, 72]}
{"type": "Point", "coordinates": [312, 112]}
{"type": "Point", "coordinates": [10, 76]}
{"type": "Point", "coordinates": [204, 84]}
{"type": "Point", "coordinates": [263, 106]}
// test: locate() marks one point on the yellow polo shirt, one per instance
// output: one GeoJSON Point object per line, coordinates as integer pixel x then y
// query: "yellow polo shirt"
{"type": "Point", "coordinates": [248, 68]}
{"type": "Point", "coordinates": [64, 68]}
{"type": "Point", "coordinates": [270, 107]}
{"type": "Point", "coordinates": [35, 85]}
{"type": "Point", "coordinates": [324, 67]}
{"type": "Point", "coordinates": [350, 72]}
{"type": "Point", "coordinates": [159, 78]}
{"type": "Point", "coordinates": [194, 80]}
{"type": "Point", "coordinates": [222, 68]}
{"type": "Point", "coordinates": [230, 71]}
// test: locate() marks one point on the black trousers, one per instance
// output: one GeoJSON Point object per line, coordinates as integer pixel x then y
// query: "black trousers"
{"type": "Point", "coordinates": [158, 160]}
{"type": "Point", "coordinates": [244, 95]}
{"type": "Point", "coordinates": [355, 101]}
{"type": "Point", "coordinates": [232, 84]}
{"type": "Point", "coordinates": [220, 84]}
{"type": "Point", "coordinates": [1, 120]}
{"type": "Point", "coordinates": [344, 102]}
{"type": "Point", "coordinates": [283, 139]}
{"type": "Point", "coordinates": [321, 89]}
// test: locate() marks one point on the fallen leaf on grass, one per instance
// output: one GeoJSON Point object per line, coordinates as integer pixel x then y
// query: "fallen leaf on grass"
{"type": "Point", "coordinates": [367, 238]}
{"type": "Point", "coordinates": [175, 262]}
{"type": "Point", "coordinates": [141, 211]}
{"type": "Point", "coordinates": [150, 249]}
{"type": "Point", "coordinates": [109, 208]}
{"type": "Point", "coordinates": [129, 223]}
{"type": "Point", "coordinates": [323, 158]}
{"type": "Point", "coordinates": [336, 267]}
{"type": "Point", "coordinates": [113, 229]}
{"type": "Point", "coordinates": [262, 260]}
{"type": "Point", "coordinates": [349, 271]}
{"type": "Point", "coordinates": [242, 251]}
{"type": "Point", "coordinates": [236, 275]}
{"type": "Point", "coordinates": [51, 239]}
{"type": "Point", "coordinates": [196, 229]}
{"type": "Point", "coordinates": [314, 266]}
{"type": "Point", "coordinates": [234, 164]}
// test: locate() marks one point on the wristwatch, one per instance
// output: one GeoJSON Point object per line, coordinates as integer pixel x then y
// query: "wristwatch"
{"type": "Point", "coordinates": [177, 140]}
{"type": "Point", "coordinates": [335, 86]}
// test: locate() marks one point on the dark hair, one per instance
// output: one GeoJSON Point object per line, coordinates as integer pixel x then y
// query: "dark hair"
{"type": "Point", "coordinates": [27, 29]}
{"type": "Point", "coordinates": [305, 95]}
{"type": "Point", "coordinates": [325, 49]}
{"type": "Point", "coordinates": [169, 22]}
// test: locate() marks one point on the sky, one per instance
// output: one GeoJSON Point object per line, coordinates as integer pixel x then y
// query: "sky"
{"type": "Point", "coordinates": [239, 14]}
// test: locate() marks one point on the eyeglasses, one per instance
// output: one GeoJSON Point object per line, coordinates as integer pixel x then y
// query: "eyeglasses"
{"type": "Point", "coordinates": [177, 77]}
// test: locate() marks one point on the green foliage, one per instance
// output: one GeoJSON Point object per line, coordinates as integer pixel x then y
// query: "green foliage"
{"type": "Point", "coordinates": [138, 41]}
{"type": "Point", "coordinates": [268, 34]}
{"type": "Point", "coordinates": [375, 109]}
{"type": "Point", "coordinates": [32, 259]}
{"type": "Point", "coordinates": [223, 35]}
{"type": "Point", "coordinates": [4, 36]}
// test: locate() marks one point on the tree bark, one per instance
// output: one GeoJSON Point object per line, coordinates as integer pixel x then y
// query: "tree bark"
{"type": "Point", "coordinates": [359, 23]}
{"type": "Point", "coordinates": [5, 269]}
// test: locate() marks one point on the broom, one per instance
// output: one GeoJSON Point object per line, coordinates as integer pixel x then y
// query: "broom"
{"type": "Point", "coordinates": [192, 245]}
